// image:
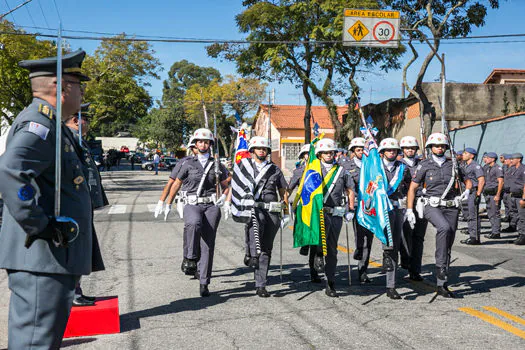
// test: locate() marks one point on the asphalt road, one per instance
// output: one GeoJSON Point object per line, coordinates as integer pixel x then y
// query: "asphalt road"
{"type": "Point", "coordinates": [160, 308]}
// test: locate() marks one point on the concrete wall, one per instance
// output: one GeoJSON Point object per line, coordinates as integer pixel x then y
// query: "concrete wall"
{"type": "Point", "coordinates": [117, 142]}
{"type": "Point", "coordinates": [474, 102]}
{"type": "Point", "coordinates": [500, 136]}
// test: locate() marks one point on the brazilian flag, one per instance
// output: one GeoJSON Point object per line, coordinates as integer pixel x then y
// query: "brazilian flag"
{"type": "Point", "coordinates": [309, 219]}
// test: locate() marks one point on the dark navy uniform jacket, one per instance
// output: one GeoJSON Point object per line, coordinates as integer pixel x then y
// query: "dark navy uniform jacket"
{"type": "Point", "coordinates": [343, 182]}
{"type": "Point", "coordinates": [27, 170]}
{"type": "Point", "coordinates": [436, 178]}
{"type": "Point", "coordinates": [473, 171]}
{"type": "Point", "coordinates": [516, 178]}
{"type": "Point", "coordinates": [192, 171]}
{"type": "Point", "coordinates": [296, 177]}
{"type": "Point", "coordinates": [492, 174]}
{"type": "Point", "coordinates": [401, 190]}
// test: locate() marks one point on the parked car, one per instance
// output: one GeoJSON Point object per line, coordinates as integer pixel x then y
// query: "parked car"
{"type": "Point", "coordinates": [166, 163]}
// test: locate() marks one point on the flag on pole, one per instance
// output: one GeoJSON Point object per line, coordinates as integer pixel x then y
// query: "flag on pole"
{"type": "Point", "coordinates": [241, 150]}
{"type": "Point", "coordinates": [373, 202]}
{"type": "Point", "coordinates": [308, 203]}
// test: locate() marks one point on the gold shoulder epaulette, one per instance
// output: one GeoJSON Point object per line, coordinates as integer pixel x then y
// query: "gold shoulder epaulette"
{"type": "Point", "coordinates": [45, 110]}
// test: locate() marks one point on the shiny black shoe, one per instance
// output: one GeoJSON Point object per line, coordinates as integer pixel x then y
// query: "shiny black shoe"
{"type": "Point", "coordinates": [330, 290]}
{"type": "Point", "coordinates": [520, 240]}
{"type": "Point", "coordinates": [304, 250]}
{"type": "Point", "coordinates": [445, 292]}
{"type": "Point", "coordinates": [262, 292]}
{"type": "Point", "coordinates": [493, 236]}
{"type": "Point", "coordinates": [192, 267]}
{"type": "Point", "coordinates": [319, 263]}
{"type": "Point", "coordinates": [392, 294]}
{"type": "Point", "coordinates": [314, 276]}
{"type": "Point", "coordinates": [509, 229]}
{"type": "Point", "coordinates": [470, 241]}
{"type": "Point", "coordinates": [358, 254]}
{"type": "Point", "coordinates": [81, 301]}
{"type": "Point", "coordinates": [90, 298]}
{"type": "Point", "coordinates": [363, 277]}
{"type": "Point", "coordinates": [184, 265]}
{"type": "Point", "coordinates": [204, 291]}
{"type": "Point", "coordinates": [254, 262]}
{"type": "Point", "coordinates": [247, 260]}
{"type": "Point", "coordinates": [414, 276]}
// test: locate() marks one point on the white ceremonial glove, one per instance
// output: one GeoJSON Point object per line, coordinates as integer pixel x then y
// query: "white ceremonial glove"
{"type": "Point", "coordinates": [349, 216]}
{"type": "Point", "coordinates": [167, 210]}
{"type": "Point", "coordinates": [464, 195]}
{"type": "Point", "coordinates": [285, 220]}
{"type": "Point", "coordinates": [220, 202]}
{"type": "Point", "coordinates": [159, 208]}
{"type": "Point", "coordinates": [410, 217]}
{"type": "Point", "coordinates": [227, 210]}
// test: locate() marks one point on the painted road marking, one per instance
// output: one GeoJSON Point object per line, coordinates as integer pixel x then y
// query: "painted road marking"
{"type": "Point", "coordinates": [494, 321]}
{"type": "Point", "coordinates": [344, 250]}
{"type": "Point", "coordinates": [505, 314]}
{"type": "Point", "coordinates": [118, 209]}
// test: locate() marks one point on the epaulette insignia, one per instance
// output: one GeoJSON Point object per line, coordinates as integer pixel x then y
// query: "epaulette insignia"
{"type": "Point", "coordinates": [45, 110]}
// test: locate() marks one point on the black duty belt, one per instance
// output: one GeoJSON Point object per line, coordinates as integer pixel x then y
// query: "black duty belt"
{"type": "Point", "coordinates": [490, 191]}
{"type": "Point", "coordinates": [516, 194]}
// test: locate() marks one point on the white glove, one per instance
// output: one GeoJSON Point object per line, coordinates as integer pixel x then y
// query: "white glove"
{"type": "Point", "coordinates": [159, 208]}
{"type": "Point", "coordinates": [285, 220]}
{"type": "Point", "coordinates": [410, 218]}
{"type": "Point", "coordinates": [227, 210]}
{"type": "Point", "coordinates": [219, 202]}
{"type": "Point", "coordinates": [167, 210]}
{"type": "Point", "coordinates": [349, 216]}
{"type": "Point", "coordinates": [464, 195]}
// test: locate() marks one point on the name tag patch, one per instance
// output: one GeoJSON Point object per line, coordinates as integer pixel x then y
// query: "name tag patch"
{"type": "Point", "coordinates": [39, 130]}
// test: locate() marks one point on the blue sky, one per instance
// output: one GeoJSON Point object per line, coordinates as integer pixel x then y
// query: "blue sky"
{"type": "Point", "coordinates": [215, 19]}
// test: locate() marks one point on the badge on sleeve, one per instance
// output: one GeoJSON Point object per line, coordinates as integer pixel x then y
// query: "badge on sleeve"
{"type": "Point", "coordinates": [78, 180]}
{"type": "Point", "coordinates": [26, 193]}
{"type": "Point", "coordinates": [39, 130]}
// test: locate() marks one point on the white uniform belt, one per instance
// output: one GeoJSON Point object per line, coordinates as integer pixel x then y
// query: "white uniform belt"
{"type": "Point", "coordinates": [193, 199]}
{"type": "Point", "coordinates": [400, 203]}
{"type": "Point", "coordinates": [274, 207]}
{"type": "Point", "coordinates": [438, 202]}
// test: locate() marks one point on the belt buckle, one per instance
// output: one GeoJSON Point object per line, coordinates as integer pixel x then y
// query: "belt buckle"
{"type": "Point", "coordinates": [449, 203]}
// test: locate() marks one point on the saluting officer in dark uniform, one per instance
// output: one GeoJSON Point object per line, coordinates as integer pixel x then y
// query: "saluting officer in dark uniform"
{"type": "Point", "coordinates": [474, 173]}
{"type": "Point", "coordinates": [98, 195]}
{"type": "Point", "coordinates": [202, 210]}
{"type": "Point", "coordinates": [517, 192]}
{"type": "Point", "coordinates": [314, 252]}
{"type": "Point", "coordinates": [363, 236]}
{"type": "Point", "coordinates": [398, 177]}
{"type": "Point", "coordinates": [42, 257]}
{"type": "Point", "coordinates": [412, 253]}
{"type": "Point", "coordinates": [493, 191]}
{"type": "Point", "coordinates": [335, 205]}
{"type": "Point", "coordinates": [441, 203]}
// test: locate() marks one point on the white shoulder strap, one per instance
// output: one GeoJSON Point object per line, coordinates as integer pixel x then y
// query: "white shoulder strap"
{"type": "Point", "coordinates": [332, 185]}
{"type": "Point", "coordinates": [206, 171]}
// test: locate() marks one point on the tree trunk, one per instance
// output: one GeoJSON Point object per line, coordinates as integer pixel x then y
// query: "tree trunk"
{"type": "Point", "coordinates": [307, 114]}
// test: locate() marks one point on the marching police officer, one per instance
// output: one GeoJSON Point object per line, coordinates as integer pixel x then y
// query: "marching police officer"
{"type": "Point", "coordinates": [474, 173]}
{"type": "Point", "coordinates": [440, 204]}
{"type": "Point", "coordinates": [98, 195]}
{"type": "Point", "coordinates": [512, 213]}
{"type": "Point", "coordinates": [504, 159]}
{"type": "Point", "coordinates": [270, 200]}
{"type": "Point", "coordinates": [411, 258]}
{"type": "Point", "coordinates": [203, 200]}
{"type": "Point", "coordinates": [398, 177]}
{"type": "Point", "coordinates": [315, 253]}
{"type": "Point", "coordinates": [44, 255]}
{"type": "Point", "coordinates": [363, 236]}
{"type": "Point", "coordinates": [493, 192]}
{"type": "Point", "coordinates": [517, 193]}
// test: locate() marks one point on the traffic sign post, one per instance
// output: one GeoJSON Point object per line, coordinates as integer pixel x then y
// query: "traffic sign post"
{"type": "Point", "coordinates": [371, 28]}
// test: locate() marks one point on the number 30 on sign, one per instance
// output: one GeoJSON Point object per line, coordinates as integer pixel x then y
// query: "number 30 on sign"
{"type": "Point", "coordinates": [384, 32]}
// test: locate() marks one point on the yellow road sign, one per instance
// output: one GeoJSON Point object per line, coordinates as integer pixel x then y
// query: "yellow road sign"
{"type": "Point", "coordinates": [358, 31]}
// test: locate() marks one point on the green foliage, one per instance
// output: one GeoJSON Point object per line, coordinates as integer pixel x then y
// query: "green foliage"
{"type": "Point", "coordinates": [15, 89]}
{"type": "Point", "coordinates": [120, 71]}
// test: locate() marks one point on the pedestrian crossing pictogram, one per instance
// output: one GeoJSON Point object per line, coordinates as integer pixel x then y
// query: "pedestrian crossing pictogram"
{"type": "Point", "coordinates": [358, 31]}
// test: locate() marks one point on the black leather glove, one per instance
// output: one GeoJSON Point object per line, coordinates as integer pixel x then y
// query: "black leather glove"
{"type": "Point", "coordinates": [477, 200]}
{"type": "Point", "coordinates": [59, 230]}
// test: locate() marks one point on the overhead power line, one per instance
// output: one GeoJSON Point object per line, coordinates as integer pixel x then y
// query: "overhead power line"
{"type": "Point", "coordinates": [14, 9]}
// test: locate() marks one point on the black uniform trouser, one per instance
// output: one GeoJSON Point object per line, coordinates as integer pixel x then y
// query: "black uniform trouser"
{"type": "Point", "coordinates": [190, 241]}
{"type": "Point", "coordinates": [314, 250]}
{"type": "Point", "coordinates": [493, 212]}
{"type": "Point", "coordinates": [474, 221]}
{"type": "Point", "coordinates": [333, 225]}
{"type": "Point", "coordinates": [269, 224]}
{"type": "Point", "coordinates": [39, 309]}
{"type": "Point", "coordinates": [363, 242]}
{"type": "Point", "coordinates": [397, 217]}
{"type": "Point", "coordinates": [445, 220]}
{"type": "Point", "coordinates": [414, 239]}
{"type": "Point", "coordinates": [201, 221]}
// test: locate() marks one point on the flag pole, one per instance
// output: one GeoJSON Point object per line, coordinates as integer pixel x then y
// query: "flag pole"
{"type": "Point", "coordinates": [58, 139]}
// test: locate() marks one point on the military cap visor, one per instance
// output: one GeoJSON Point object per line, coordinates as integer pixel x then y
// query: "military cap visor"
{"type": "Point", "coordinates": [471, 150]}
{"type": "Point", "coordinates": [71, 65]}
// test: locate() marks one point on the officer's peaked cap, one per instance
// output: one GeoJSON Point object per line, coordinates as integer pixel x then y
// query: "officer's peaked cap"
{"type": "Point", "coordinates": [471, 150]}
{"type": "Point", "coordinates": [71, 64]}
{"type": "Point", "coordinates": [491, 155]}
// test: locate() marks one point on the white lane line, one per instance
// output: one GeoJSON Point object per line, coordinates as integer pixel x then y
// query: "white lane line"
{"type": "Point", "coordinates": [118, 209]}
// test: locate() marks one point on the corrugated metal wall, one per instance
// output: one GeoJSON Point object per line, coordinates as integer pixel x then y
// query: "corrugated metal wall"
{"type": "Point", "coordinates": [500, 136]}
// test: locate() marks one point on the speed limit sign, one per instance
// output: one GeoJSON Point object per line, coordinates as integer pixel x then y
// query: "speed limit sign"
{"type": "Point", "coordinates": [384, 32]}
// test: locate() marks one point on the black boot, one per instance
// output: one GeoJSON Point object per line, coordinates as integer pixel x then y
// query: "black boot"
{"type": "Point", "coordinates": [314, 276]}
{"type": "Point", "coordinates": [444, 292]}
{"type": "Point", "coordinates": [304, 250]}
{"type": "Point", "coordinates": [319, 263]}
{"type": "Point", "coordinates": [520, 240]}
{"type": "Point", "coordinates": [493, 236]}
{"type": "Point", "coordinates": [414, 276]}
{"type": "Point", "coordinates": [191, 267]}
{"type": "Point", "coordinates": [184, 265]}
{"type": "Point", "coordinates": [363, 277]}
{"type": "Point", "coordinates": [247, 259]}
{"type": "Point", "coordinates": [204, 291]}
{"type": "Point", "coordinates": [254, 262]}
{"type": "Point", "coordinates": [509, 229]}
{"type": "Point", "coordinates": [330, 289]}
{"type": "Point", "coordinates": [262, 292]}
{"type": "Point", "coordinates": [358, 254]}
{"type": "Point", "coordinates": [388, 262]}
{"type": "Point", "coordinates": [392, 294]}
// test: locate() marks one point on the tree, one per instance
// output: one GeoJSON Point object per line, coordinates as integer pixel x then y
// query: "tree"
{"type": "Point", "coordinates": [442, 19]}
{"type": "Point", "coordinates": [120, 71]}
{"type": "Point", "coordinates": [300, 41]}
{"type": "Point", "coordinates": [15, 88]}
